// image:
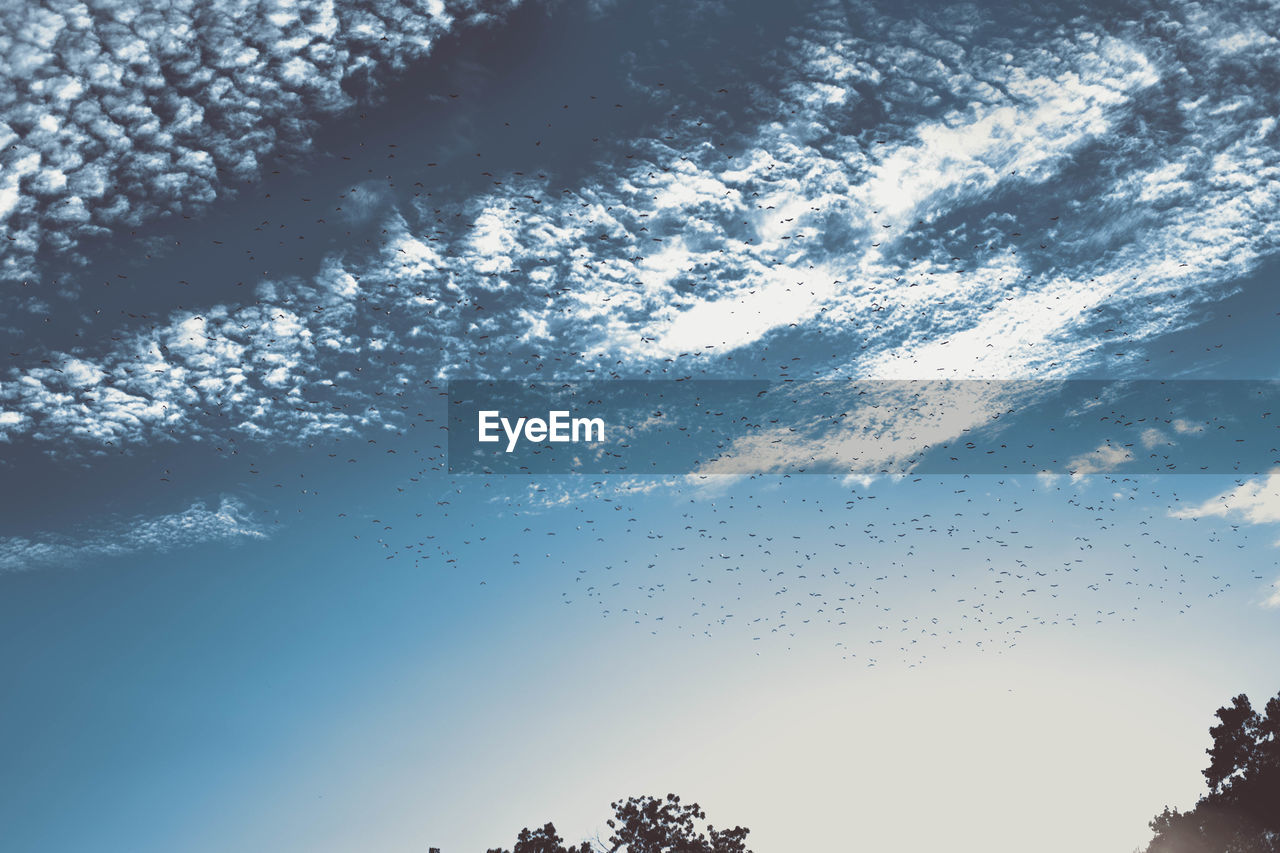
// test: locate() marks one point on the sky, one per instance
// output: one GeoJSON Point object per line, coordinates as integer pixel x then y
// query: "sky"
{"type": "Point", "coordinates": [936, 343]}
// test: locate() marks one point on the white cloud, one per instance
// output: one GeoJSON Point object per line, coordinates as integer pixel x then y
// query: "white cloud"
{"type": "Point", "coordinates": [1152, 437]}
{"type": "Point", "coordinates": [1256, 501]}
{"type": "Point", "coordinates": [109, 116]}
{"type": "Point", "coordinates": [253, 369]}
{"type": "Point", "coordinates": [1105, 458]}
{"type": "Point", "coordinates": [883, 430]}
{"type": "Point", "coordinates": [689, 255]}
{"type": "Point", "coordinates": [971, 154]}
{"type": "Point", "coordinates": [229, 520]}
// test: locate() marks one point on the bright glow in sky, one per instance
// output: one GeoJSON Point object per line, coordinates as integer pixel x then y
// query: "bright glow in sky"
{"type": "Point", "coordinates": [245, 605]}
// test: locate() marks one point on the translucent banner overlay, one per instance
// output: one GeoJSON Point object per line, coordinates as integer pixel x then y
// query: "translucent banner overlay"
{"type": "Point", "coordinates": [864, 427]}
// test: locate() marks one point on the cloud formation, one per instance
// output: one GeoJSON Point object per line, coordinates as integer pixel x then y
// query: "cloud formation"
{"type": "Point", "coordinates": [1256, 501]}
{"type": "Point", "coordinates": [113, 112]}
{"type": "Point", "coordinates": [1104, 458]}
{"type": "Point", "coordinates": [906, 199]}
{"type": "Point", "coordinates": [197, 524]}
{"type": "Point", "coordinates": [256, 369]}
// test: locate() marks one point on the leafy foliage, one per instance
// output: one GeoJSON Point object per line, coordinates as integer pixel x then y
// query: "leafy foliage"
{"type": "Point", "coordinates": [644, 825]}
{"type": "Point", "coordinates": [1241, 812]}
{"type": "Point", "coordinates": [543, 840]}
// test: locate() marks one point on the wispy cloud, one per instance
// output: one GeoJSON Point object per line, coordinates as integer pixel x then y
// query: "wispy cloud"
{"type": "Point", "coordinates": [1104, 458]}
{"type": "Point", "coordinates": [883, 430]}
{"type": "Point", "coordinates": [229, 520]}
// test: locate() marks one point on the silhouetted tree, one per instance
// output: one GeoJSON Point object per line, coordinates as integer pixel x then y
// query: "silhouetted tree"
{"type": "Point", "coordinates": [650, 825]}
{"type": "Point", "coordinates": [1241, 812]}
{"type": "Point", "coordinates": [543, 840]}
{"type": "Point", "coordinates": [644, 825]}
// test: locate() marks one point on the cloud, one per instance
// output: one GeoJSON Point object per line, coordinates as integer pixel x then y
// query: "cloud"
{"type": "Point", "coordinates": [1152, 437]}
{"type": "Point", "coordinates": [195, 525]}
{"type": "Point", "coordinates": [254, 370]}
{"type": "Point", "coordinates": [809, 223]}
{"type": "Point", "coordinates": [1105, 458]}
{"type": "Point", "coordinates": [1048, 478]}
{"type": "Point", "coordinates": [1256, 501]}
{"type": "Point", "coordinates": [883, 429]}
{"type": "Point", "coordinates": [1028, 132]}
{"type": "Point", "coordinates": [114, 112]}
{"type": "Point", "coordinates": [902, 200]}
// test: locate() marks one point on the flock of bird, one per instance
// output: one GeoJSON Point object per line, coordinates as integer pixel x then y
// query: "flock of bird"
{"type": "Point", "coordinates": [879, 582]}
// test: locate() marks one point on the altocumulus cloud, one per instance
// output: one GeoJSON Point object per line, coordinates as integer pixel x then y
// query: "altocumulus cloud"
{"type": "Point", "coordinates": [248, 370]}
{"type": "Point", "coordinates": [918, 199]}
{"type": "Point", "coordinates": [112, 112]}
{"type": "Point", "coordinates": [197, 524]}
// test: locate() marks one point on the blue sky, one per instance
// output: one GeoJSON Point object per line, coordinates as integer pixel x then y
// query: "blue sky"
{"type": "Point", "coordinates": [246, 605]}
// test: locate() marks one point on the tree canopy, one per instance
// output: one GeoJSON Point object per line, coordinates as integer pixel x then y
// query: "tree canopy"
{"type": "Point", "coordinates": [1241, 811]}
{"type": "Point", "coordinates": [643, 825]}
